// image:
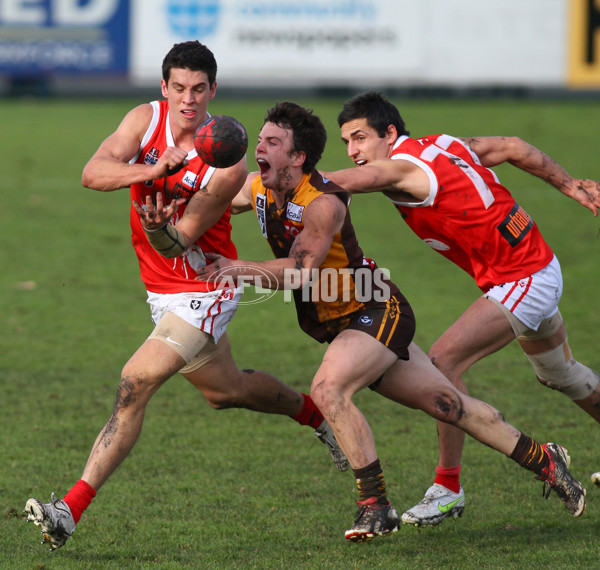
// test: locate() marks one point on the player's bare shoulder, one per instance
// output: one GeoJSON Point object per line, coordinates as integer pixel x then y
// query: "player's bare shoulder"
{"type": "Point", "coordinates": [406, 180]}
{"type": "Point", "coordinates": [328, 209]}
{"type": "Point", "coordinates": [138, 119]}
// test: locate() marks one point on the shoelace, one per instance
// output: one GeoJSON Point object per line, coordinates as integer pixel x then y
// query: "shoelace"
{"type": "Point", "coordinates": [548, 484]}
{"type": "Point", "coordinates": [546, 490]}
{"type": "Point", "coordinates": [360, 513]}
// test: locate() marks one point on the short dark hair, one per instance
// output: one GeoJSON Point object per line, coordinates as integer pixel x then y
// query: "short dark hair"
{"type": "Point", "coordinates": [190, 55]}
{"type": "Point", "coordinates": [377, 109]}
{"type": "Point", "coordinates": [308, 132]}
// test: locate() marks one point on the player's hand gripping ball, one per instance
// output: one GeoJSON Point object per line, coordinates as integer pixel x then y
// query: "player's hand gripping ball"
{"type": "Point", "coordinates": [221, 141]}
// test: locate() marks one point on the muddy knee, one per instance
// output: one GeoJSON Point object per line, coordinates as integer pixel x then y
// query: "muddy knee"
{"type": "Point", "coordinates": [326, 397]}
{"type": "Point", "coordinates": [137, 386]}
{"type": "Point", "coordinates": [448, 407]}
{"type": "Point", "coordinates": [127, 393]}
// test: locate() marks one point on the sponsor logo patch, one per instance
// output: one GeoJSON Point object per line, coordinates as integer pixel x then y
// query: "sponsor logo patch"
{"type": "Point", "coordinates": [180, 191]}
{"type": "Point", "coordinates": [516, 225]}
{"type": "Point", "coordinates": [151, 156]}
{"type": "Point", "coordinates": [365, 320]}
{"type": "Point", "coordinates": [189, 179]}
{"type": "Point", "coordinates": [294, 212]}
{"type": "Point", "coordinates": [260, 213]}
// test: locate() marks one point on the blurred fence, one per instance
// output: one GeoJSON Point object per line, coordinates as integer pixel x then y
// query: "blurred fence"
{"type": "Point", "coordinates": [412, 47]}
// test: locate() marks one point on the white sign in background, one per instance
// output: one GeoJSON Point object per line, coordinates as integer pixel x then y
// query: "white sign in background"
{"type": "Point", "coordinates": [267, 43]}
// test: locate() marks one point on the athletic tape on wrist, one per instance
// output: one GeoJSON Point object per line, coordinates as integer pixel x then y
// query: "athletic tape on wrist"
{"type": "Point", "coordinates": [166, 240]}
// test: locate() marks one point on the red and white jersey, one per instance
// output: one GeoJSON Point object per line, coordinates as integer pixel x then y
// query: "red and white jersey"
{"type": "Point", "coordinates": [468, 216]}
{"type": "Point", "coordinates": [159, 274]}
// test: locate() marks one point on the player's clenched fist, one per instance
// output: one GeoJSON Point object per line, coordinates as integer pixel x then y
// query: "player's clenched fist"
{"type": "Point", "coordinates": [172, 161]}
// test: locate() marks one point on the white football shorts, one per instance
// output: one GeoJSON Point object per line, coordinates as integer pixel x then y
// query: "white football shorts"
{"type": "Point", "coordinates": [531, 299]}
{"type": "Point", "coordinates": [209, 312]}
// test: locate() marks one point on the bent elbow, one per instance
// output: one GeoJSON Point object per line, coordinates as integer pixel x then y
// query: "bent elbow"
{"type": "Point", "coordinates": [517, 148]}
{"type": "Point", "coordinates": [85, 181]}
{"type": "Point", "coordinates": [88, 180]}
{"type": "Point", "coordinates": [95, 183]}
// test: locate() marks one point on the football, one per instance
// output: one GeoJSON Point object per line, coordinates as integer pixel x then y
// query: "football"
{"type": "Point", "coordinates": [221, 141]}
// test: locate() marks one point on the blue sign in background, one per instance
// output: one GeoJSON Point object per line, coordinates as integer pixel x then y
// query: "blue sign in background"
{"type": "Point", "coordinates": [58, 36]}
{"type": "Point", "coordinates": [194, 20]}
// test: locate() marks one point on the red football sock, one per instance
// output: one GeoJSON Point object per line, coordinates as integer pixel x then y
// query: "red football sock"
{"type": "Point", "coordinates": [79, 498]}
{"type": "Point", "coordinates": [449, 477]}
{"type": "Point", "coordinates": [310, 414]}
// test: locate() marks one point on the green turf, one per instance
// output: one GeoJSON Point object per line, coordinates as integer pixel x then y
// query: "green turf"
{"type": "Point", "coordinates": [235, 489]}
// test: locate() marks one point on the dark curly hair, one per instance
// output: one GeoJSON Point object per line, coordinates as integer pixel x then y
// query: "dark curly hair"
{"type": "Point", "coordinates": [308, 132]}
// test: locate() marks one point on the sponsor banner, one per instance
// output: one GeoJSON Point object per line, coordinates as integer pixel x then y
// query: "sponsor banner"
{"type": "Point", "coordinates": [275, 42]}
{"type": "Point", "coordinates": [348, 43]}
{"type": "Point", "coordinates": [307, 43]}
{"type": "Point", "coordinates": [66, 36]}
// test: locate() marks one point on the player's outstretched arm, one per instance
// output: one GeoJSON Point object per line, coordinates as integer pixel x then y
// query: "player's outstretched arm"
{"type": "Point", "coordinates": [385, 175]}
{"type": "Point", "coordinates": [323, 218]}
{"type": "Point", "coordinates": [109, 167]}
{"type": "Point", "coordinates": [497, 150]}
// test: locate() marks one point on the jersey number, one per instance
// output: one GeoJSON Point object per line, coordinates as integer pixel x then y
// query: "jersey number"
{"type": "Point", "coordinates": [431, 152]}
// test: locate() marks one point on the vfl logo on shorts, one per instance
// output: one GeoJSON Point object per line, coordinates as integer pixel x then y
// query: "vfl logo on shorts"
{"type": "Point", "coordinates": [516, 225]}
{"type": "Point", "coordinates": [365, 320]}
{"type": "Point", "coordinates": [195, 304]}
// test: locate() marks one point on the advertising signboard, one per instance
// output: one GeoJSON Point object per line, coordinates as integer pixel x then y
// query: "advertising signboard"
{"type": "Point", "coordinates": [273, 42]}
{"type": "Point", "coordinates": [64, 36]}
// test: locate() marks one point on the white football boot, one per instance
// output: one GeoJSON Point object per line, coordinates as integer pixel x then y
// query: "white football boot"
{"type": "Point", "coordinates": [438, 504]}
{"type": "Point", "coordinates": [55, 518]}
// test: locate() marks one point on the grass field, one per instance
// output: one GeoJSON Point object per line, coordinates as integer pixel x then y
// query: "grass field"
{"type": "Point", "coordinates": [236, 489]}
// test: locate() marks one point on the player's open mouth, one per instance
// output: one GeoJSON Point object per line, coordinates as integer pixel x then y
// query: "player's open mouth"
{"type": "Point", "coordinates": [360, 162]}
{"type": "Point", "coordinates": [263, 165]}
{"type": "Point", "coordinates": [188, 113]}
